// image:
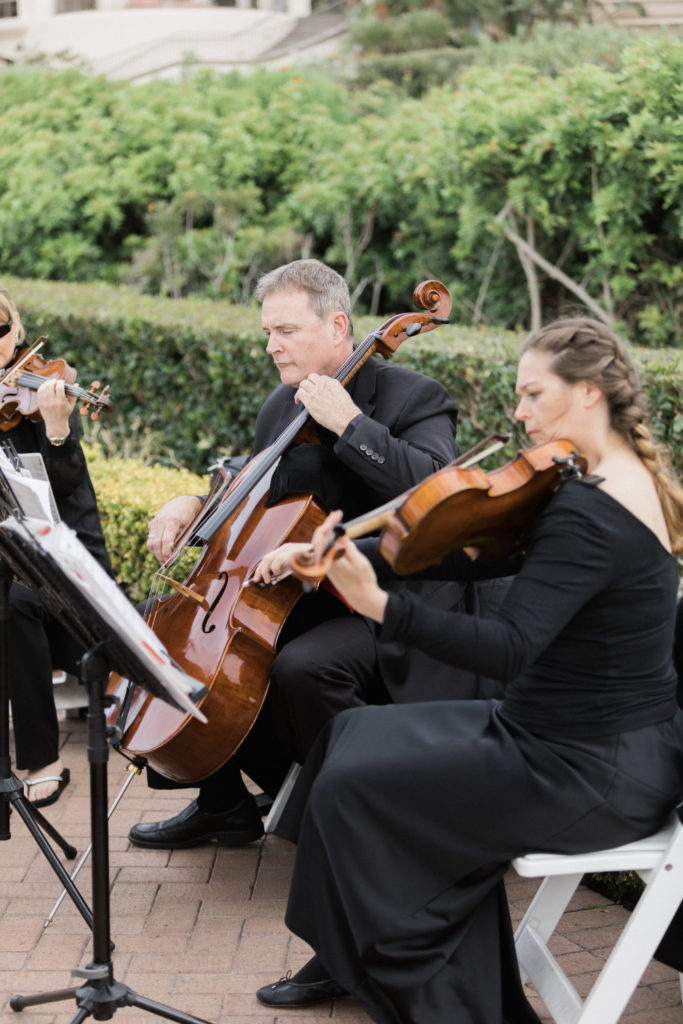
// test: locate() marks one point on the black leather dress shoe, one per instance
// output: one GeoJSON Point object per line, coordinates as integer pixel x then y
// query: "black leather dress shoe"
{"type": "Point", "coordinates": [286, 993]}
{"type": "Point", "coordinates": [192, 827]}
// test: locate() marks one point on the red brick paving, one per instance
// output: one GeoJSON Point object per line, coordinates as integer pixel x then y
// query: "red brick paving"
{"type": "Point", "coordinates": [202, 929]}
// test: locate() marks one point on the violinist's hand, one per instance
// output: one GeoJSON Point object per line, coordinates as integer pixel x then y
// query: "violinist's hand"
{"type": "Point", "coordinates": [169, 524]}
{"type": "Point", "coordinates": [328, 402]}
{"type": "Point", "coordinates": [350, 571]}
{"type": "Point", "coordinates": [55, 407]}
{"type": "Point", "coordinates": [277, 561]}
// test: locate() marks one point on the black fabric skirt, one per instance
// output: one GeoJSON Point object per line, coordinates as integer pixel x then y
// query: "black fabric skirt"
{"type": "Point", "coordinates": [406, 819]}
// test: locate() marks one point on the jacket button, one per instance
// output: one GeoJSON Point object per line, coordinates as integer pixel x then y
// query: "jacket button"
{"type": "Point", "coordinates": [369, 451]}
{"type": "Point", "coordinates": [381, 459]}
{"type": "Point", "coordinates": [375, 457]}
{"type": "Point", "coordinates": [363, 447]}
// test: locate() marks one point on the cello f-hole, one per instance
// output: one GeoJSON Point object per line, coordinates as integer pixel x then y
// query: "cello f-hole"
{"type": "Point", "coordinates": [206, 628]}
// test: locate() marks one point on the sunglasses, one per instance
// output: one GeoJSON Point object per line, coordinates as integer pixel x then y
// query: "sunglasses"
{"type": "Point", "coordinates": [6, 328]}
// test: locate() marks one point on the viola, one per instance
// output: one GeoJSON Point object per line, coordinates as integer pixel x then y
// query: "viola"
{"type": "Point", "coordinates": [219, 631]}
{"type": "Point", "coordinates": [457, 507]}
{"type": "Point", "coordinates": [20, 382]}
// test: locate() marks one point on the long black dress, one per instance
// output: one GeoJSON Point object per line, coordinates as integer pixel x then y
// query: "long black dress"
{"type": "Point", "coordinates": [407, 816]}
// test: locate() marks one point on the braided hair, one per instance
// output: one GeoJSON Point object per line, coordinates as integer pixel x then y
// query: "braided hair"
{"type": "Point", "coordinates": [586, 349]}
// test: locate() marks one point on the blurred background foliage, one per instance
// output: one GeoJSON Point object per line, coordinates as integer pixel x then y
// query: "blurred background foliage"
{"type": "Point", "coordinates": [502, 127]}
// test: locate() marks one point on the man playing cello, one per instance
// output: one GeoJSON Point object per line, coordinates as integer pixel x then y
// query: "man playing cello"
{"type": "Point", "coordinates": [387, 430]}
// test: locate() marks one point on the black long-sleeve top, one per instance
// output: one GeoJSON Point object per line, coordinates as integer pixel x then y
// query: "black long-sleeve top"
{"type": "Point", "coordinates": [584, 638]}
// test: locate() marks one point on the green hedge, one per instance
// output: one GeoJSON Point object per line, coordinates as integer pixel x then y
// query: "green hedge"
{"type": "Point", "coordinates": [129, 493]}
{"type": "Point", "coordinates": [189, 376]}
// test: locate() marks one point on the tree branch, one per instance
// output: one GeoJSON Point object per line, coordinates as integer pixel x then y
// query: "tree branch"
{"type": "Point", "coordinates": [550, 270]}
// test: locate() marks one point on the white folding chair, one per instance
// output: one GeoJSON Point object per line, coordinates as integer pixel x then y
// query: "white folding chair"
{"type": "Point", "coordinates": [659, 862]}
{"type": "Point", "coordinates": [282, 797]}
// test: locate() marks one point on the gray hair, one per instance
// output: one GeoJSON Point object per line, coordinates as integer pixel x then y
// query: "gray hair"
{"type": "Point", "coordinates": [327, 290]}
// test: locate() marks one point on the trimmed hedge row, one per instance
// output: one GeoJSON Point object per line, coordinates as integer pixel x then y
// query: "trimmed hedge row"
{"type": "Point", "coordinates": [188, 376]}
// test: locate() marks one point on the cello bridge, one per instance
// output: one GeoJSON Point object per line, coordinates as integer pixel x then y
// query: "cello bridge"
{"type": "Point", "coordinates": [185, 591]}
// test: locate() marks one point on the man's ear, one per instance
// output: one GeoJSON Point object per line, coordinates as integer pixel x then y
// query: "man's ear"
{"type": "Point", "coordinates": [340, 324]}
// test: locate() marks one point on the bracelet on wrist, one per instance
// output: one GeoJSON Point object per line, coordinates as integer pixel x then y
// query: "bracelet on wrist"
{"type": "Point", "coordinates": [56, 442]}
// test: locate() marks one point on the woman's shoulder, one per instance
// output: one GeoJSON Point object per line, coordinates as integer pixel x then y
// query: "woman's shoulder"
{"type": "Point", "coordinates": [587, 505]}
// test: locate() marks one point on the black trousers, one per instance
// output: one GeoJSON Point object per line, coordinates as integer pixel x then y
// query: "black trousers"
{"type": "Point", "coordinates": [37, 642]}
{"type": "Point", "coordinates": [326, 663]}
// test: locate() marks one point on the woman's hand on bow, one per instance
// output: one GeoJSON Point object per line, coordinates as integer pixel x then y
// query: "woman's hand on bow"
{"type": "Point", "coordinates": [350, 571]}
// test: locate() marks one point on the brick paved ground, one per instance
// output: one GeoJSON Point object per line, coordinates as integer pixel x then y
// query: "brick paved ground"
{"type": "Point", "coordinates": [202, 929]}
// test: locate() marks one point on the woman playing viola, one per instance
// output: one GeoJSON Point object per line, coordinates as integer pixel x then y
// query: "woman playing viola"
{"type": "Point", "coordinates": [35, 636]}
{"type": "Point", "coordinates": [406, 817]}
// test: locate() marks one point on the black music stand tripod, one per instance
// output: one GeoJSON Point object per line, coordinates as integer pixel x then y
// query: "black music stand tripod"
{"type": "Point", "coordinates": [87, 613]}
{"type": "Point", "coordinates": [11, 788]}
{"type": "Point", "coordinates": [100, 995]}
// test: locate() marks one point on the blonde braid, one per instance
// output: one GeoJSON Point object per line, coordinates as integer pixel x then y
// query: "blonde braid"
{"type": "Point", "coordinates": [655, 457]}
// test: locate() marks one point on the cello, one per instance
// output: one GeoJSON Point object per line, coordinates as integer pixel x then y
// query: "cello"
{"type": "Point", "coordinates": [219, 631]}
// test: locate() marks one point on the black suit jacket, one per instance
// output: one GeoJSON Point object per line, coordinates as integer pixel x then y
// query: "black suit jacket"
{"type": "Point", "coordinates": [405, 432]}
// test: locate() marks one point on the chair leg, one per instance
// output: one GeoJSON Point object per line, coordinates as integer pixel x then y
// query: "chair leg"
{"type": "Point", "coordinates": [282, 797]}
{"type": "Point", "coordinates": [624, 967]}
{"type": "Point", "coordinates": [547, 907]}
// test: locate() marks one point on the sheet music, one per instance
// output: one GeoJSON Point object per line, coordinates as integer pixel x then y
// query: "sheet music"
{"type": "Point", "coordinates": [30, 486]}
{"type": "Point", "coordinates": [55, 552]}
{"type": "Point", "coordinates": [75, 561]}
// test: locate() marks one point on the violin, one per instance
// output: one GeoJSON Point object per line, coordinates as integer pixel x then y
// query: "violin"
{"type": "Point", "coordinates": [20, 382]}
{"type": "Point", "coordinates": [457, 507]}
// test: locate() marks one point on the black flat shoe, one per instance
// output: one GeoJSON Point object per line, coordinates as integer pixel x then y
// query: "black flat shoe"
{"type": "Point", "coordinates": [192, 827]}
{"type": "Point", "coordinates": [286, 993]}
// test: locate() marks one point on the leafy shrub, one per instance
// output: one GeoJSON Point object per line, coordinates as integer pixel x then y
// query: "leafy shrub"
{"type": "Point", "coordinates": [129, 494]}
{"type": "Point", "coordinates": [413, 73]}
{"type": "Point", "coordinates": [416, 30]}
{"type": "Point", "coordinates": [552, 49]}
{"type": "Point", "coordinates": [202, 185]}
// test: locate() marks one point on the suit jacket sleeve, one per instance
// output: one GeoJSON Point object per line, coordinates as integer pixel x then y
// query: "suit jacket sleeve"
{"type": "Point", "coordinates": [409, 434]}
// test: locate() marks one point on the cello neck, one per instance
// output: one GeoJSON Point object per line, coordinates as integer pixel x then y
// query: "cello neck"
{"type": "Point", "coordinates": [260, 467]}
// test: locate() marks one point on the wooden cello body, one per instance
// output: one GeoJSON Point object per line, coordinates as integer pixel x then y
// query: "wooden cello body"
{"type": "Point", "coordinates": [240, 650]}
{"type": "Point", "coordinates": [220, 631]}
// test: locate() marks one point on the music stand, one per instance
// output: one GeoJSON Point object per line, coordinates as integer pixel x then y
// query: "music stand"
{"type": "Point", "coordinates": [11, 788]}
{"type": "Point", "coordinates": [50, 558]}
